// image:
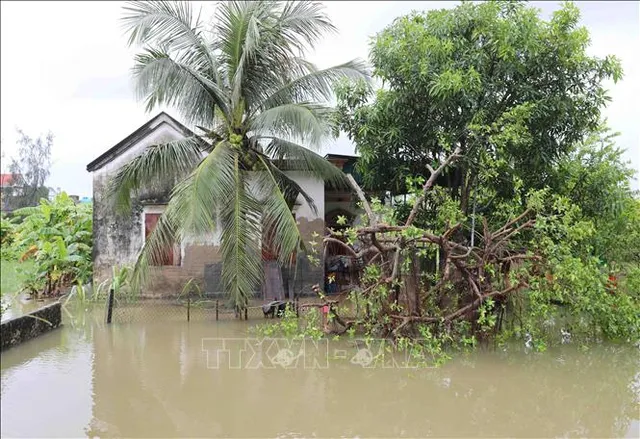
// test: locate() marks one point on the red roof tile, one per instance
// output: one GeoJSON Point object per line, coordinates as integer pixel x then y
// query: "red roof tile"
{"type": "Point", "coordinates": [5, 179]}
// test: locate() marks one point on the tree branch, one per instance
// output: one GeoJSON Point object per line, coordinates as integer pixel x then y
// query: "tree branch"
{"type": "Point", "coordinates": [432, 179]}
{"type": "Point", "coordinates": [365, 204]}
{"type": "Point", "coordinates": [328, 239]}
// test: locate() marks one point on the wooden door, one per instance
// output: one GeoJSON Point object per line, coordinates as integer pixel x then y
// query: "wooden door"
{"type": "Point", "coordinates": [150, 222]}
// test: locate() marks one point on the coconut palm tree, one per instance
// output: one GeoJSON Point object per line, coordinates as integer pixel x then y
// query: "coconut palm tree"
{"type": "Point", "coordinates": [243, 81]}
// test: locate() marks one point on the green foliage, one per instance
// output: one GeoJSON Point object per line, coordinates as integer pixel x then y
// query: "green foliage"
{"type": "Point", "coordinates": [590, 239]}
{"type": "Point", "coordinates": [597, 179]}
{"type": "Point", "coordinates": [6, 231]}
{"type": "Point", "coordinates": [57, 236]}
{"type": "Point", "coordinates": [7, 237]}
{"type": "Point", "coordinates": [79, 292]}
{"type": "Point", "coordinates": [12, 274]}
{"type": "Point", "coordinates": [575, 287]}
{"type": "Point", "coordinates": [569, 290]}
{"type": "Point", "coordinates": [522, 98]}
{"type": "Point", "coordinates": [120, 283]}
{"type": "Point", "coordinates": [486, 315]}
{"type": "Point", "coordinates": [291, 326]}
{"type": "Point", "coordinates": [514, 91]}
{"type": "Point", "coordinates": [192, 287]}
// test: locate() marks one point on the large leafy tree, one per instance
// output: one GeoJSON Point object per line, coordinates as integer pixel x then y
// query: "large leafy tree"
{"type": "Point", "coordinates": [514, 91]}
{"type": "Point", "coordinates": [244, 82]}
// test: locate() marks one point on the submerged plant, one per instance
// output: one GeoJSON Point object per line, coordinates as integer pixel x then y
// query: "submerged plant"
{"type": "Point", "coordinates": [291, 326]}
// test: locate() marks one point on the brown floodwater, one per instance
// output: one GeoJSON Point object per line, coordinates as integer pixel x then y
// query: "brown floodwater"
{"type": "Point", "coordinates": [166, 379]}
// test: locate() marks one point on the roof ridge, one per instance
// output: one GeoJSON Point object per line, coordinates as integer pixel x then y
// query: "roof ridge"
{"type": "Point", "coordinates": [130, 140]}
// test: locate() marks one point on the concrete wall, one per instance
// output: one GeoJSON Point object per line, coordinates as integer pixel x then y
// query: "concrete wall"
{"type": "Point", "coordinates": [28, 326]}
{"type": "Point", "coordinates": [118, 239]}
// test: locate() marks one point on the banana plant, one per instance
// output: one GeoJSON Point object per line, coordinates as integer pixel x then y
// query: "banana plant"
{"type": "Point", "coordinates": [57, 236]}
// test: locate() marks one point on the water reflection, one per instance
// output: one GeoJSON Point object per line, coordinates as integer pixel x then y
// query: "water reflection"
{"type": "Point", "coordinates": [151, 380]}
{"type": "Point", "coordinates": [46, 386]}
{"type": "Point", "coordinates": [17, 305]}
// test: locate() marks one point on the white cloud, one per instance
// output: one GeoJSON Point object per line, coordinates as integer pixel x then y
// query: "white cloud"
{"type": "Point", "coordinates": [65, 68]}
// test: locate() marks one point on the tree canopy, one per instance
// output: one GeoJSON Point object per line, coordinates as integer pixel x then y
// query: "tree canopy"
{"type": "Point", "coordinates": [514, 91]}
{"type": "Point", "coordinates": [520, 220]}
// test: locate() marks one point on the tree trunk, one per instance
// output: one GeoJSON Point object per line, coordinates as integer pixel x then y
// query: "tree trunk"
{"type": "Point", "coordinates": [287, 282]}
{"type": "Point", "coordinates": [272, 285]}
{"type": "Point", "coordinates": [468, 181]}
{"type": "Point", "coordinates": [412, 286]}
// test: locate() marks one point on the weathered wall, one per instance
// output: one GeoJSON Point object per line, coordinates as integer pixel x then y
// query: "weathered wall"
{"type": "Point", "coordinates": [118, 238]}
{"type": "Point", "coordinates": [311, 226]}
{"type": "Point", "coordinates": [28, 326]}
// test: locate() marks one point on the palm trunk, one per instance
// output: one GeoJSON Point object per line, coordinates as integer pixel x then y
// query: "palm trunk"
{"type": "Point", "coordinates": [272, 287]}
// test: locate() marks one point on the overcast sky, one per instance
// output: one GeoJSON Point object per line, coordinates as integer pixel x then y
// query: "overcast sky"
{"type": "Point", "coordinates": [65, 67]}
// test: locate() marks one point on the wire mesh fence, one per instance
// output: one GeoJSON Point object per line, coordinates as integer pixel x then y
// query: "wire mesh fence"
{"type": "Point", "coordinates": [191, 308]}
{"type": "Point", "coordinates": [197, 308]}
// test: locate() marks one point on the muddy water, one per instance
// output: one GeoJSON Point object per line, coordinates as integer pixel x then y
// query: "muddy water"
{"type": "Point", "coordinates": [156, 380]}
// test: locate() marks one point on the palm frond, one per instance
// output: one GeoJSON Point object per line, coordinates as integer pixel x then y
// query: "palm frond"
{"type": "Point", "coordinates": [289, 156]}
{"type": "Point", "coordinates": [234, 22]}
{"type": "Point", "coordinates": [171, 25]}
{"type": "Point", "coordinates": [241, 231]}
{"type": "Point", "coordinates": [280, 230]}
{"type": "Point", "coordinates": [182, 83]}
{"type": "Point", "coordinates": [165, 234]}
{"type": "Point", "coordinates": [307, 122]}
{"type": "Point", "coordinates": [250, 35]}
{"type": "Point", "coordinates": [289, 187]}
{"type": "Point", "coordinates": [192, 209]}
{"type": "Point", "coordinates": [157, 165]}
{"type": "Point", "coordinates": [164, 23]}
{"type": "Point", "coordinates": [302, 23]}
{"type": "Point", "coordinates": [199, 197]}
{"type": "Point", "coordinates": [260, 43]}
{"type": "Point", "coordinates": [313, 84]}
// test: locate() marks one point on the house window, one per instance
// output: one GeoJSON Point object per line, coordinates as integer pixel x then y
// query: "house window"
{"type": "Point", "coordinates": [171, 253]}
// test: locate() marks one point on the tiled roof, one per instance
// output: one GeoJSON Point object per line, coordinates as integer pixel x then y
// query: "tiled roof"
{"type": "Point", "coordinates": [6, 179]}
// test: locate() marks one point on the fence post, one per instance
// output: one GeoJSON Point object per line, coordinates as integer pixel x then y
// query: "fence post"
{"type": "Point", "coordinates": [110, 306]}
{"type": "Point", "coordinates": [297, 305]}
{"type": "Point", "coordinates": [216, 309]}
{"type": "Point", "coordinates": [188, 309]}
{"type": "Point", "coordinates": [246, 316]}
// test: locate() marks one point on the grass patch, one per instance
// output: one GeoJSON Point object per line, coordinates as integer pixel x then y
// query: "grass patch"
{"type": "Point", "coordinates": [11, 279]}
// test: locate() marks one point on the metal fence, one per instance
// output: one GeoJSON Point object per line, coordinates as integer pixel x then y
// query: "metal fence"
{"type": "Point", "coordinates": [189, 308]}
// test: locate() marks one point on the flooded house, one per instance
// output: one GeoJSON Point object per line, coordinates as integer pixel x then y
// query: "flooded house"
{"type": "Point", "coordinates": [118, 238]}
